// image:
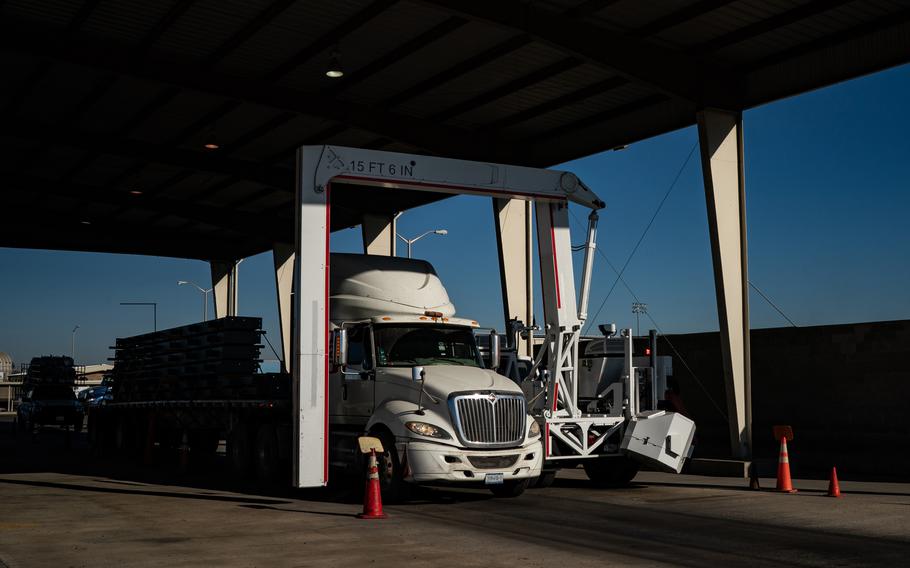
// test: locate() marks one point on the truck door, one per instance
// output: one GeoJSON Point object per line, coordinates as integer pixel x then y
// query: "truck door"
{"type": "Point", "coordinates": [355, 405]}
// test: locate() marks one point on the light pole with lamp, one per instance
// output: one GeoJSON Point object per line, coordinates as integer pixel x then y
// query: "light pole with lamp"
{"type": "Point", "coordinates": [154, 311]}
{"type": "Point", "coordinates": [417, 238]}
{"type": "Point", "coordinates": [74, 345]}
{"type": "Point", "coordinates": [639, 308]}
{"type": "Point", "coordinates": [205, 297]}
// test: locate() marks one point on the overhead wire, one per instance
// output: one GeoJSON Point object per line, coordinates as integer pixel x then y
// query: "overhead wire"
{"type": "Point", "coordinates": [645, 232]}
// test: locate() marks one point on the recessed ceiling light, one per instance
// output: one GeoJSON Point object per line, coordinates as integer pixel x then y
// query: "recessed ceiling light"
{"type": "Point", "coordinates": [85, 222]}
{"type": "Point", "coordinates": [135, 192]}
{"type": "Point", "coordinates": [211, 146]}
{"type": "Point", "coordinates": [334, 71]}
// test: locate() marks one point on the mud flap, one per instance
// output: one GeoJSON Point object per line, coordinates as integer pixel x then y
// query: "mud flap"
{"type": "Point", "coordinates": [660, 438]}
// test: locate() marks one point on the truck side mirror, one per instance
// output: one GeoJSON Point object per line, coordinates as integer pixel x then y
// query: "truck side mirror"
{"type": "Point", "coordinates": [417, 374]}
{"type": "Point", "coordinates": [339, 347]}
{"type": "Point", "coordinates": [494, 350]}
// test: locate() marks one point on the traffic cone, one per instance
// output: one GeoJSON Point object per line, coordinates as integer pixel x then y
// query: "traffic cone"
{"type": "Point", "coordinates": [784, 483]}
{"type": "Point", "coordinates": [833, 485]}
{"type": "Point", "coordinates": [372, 499]}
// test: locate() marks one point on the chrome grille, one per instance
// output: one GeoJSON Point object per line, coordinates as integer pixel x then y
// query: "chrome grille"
{"type": "Point", "coordinates": [489, 419]}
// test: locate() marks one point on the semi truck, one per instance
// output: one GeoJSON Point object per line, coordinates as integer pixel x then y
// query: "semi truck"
{"type": "Point", "coordinates": [372, 345]}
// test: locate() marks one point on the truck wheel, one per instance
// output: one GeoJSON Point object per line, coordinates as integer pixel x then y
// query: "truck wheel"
{"type": "Point", "coordinates": [268, 465]}
{"type": "Point", "coordinates": [509, 489]}
{"type": "Point", "coordinates": [240, 451]}
{"type": "Point", "coordinates": [611, 472]}
{"type": "Point", "coordinates": [545, 480]}
{"type": "Point", "coordinates": [391, 474]}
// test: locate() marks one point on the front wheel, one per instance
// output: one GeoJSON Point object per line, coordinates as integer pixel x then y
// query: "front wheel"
{"type": "Point", "coordinates": [611, 472]}
{"type": "Point", "coordinates": [510, 489]}
{"type": "Point", "coordinates": [391, 473]}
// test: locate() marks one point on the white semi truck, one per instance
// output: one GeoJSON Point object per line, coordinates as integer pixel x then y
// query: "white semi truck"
{"type": "Point", "coordinates": [406, 370]}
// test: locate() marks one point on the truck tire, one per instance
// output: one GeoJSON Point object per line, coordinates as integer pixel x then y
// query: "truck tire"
{"type": "Point", "coordinates": [545, 480]}
{"type": "Point", "coordinates": [510, 489]}
{"type": "Point", "coordinates": [240, 451]}
{"type": "Point", "coordinates": [391, 473]}
{"type": "Point", "coordinates": [611, 472]}
{"type": "Point", "coordinates": [268, 463]}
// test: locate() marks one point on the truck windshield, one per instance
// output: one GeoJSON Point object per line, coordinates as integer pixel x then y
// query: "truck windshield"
{"type": "Point", "coordinates": [410, 345]}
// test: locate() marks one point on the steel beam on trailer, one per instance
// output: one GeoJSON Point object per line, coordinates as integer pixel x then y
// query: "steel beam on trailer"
{"type": "Point", "coordinates": [512, 221]}
{"type": "Point", "coordinates": [720, 135]}
{"type": "Point", "coordinates": [317, 168]}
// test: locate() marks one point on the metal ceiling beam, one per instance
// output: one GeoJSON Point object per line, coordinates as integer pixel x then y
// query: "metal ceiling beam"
{"type": "Point", "coordinates": [267, 227]}
{"type": "Point", "coordinates": [671, 72]}
{"type": "Point", "coordinates": [20, 36]}
{"type": "Point", "coordinates": [331, 38]}
{"type": "Point", "coordinates": [508, 88]}
{"type": "Point", "coordinates": [558, 103]}
{"type": "Point", "coordinates": [101, 143]}
{"type": "Point", "coordinates": [681, 16]}
{"type": "Point", "coordinates": [409, 47]}
{"type": "Point", "coordinates": [772, 23]}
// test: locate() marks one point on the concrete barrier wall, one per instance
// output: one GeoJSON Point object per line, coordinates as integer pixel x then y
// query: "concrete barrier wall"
{"type": "Point", "coordinates": [845, 389]}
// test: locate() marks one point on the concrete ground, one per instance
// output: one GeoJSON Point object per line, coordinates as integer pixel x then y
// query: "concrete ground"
{"type": "Point", "coordinates": [58, 507]}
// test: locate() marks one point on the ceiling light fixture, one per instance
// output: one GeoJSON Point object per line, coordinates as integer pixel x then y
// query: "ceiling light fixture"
{"type": "Point", "coordinates": [85, 222]}
{"type": "Point", "coordinates": [211, 146]}
{"type": "Point", "coordinates": [335, 70]}
{"type": "Point", "coordinates": [135, 192]}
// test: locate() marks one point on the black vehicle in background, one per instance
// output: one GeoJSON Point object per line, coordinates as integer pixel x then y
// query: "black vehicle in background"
{"type": "Point", "coordinates": [48, 396]}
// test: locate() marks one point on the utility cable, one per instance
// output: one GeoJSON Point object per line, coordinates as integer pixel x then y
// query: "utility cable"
{"type": "Point", "coordinates": [645, 232]}
{"type": "Point", "coordinates": [772, 304]}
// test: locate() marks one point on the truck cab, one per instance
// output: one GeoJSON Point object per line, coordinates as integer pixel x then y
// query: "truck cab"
{"type": "Point", "coordinates": [414, 378]}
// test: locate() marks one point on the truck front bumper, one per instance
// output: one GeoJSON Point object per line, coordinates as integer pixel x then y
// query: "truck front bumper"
{"type": "Point", "coordinates": [426, 462]}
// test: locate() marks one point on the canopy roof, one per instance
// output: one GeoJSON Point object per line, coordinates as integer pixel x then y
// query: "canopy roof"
{"type": "Point", "coordinates": [107, 105]}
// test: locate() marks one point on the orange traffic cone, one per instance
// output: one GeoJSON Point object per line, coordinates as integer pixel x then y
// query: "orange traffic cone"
{"type": "Point", "coordinates": [784, 483]}
{"type": "Point", "coordinates": [833, 485]}
{"type": "Point", "coordinates": [372, 499]}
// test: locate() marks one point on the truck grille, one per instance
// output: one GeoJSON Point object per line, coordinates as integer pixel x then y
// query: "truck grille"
{"type": "Point", "coordinates": [489, 420]}
{"type": "Point", "coordinates": [493, 462]}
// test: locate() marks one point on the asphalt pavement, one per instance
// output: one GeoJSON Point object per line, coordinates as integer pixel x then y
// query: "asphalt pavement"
{"type": "Point", "coordinates": [61, 507]}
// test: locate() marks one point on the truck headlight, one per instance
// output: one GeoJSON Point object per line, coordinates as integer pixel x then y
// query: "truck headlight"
{"type": "Point", "coordinates": [534, 430]}
{"type": "Point", "coordinates": [427, 430]}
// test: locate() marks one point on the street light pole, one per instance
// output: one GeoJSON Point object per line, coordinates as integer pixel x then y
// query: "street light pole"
{"type": "Point", "coordinates": [205, 297]}
{"type": "Point", "coordinates": [154, 311]}
{"type": "Point", "coordinates": [417, 238]}
{"type": "Point", "coordinates": [74, 345]}
{"type": "Point", "coordinates": [639, 308]}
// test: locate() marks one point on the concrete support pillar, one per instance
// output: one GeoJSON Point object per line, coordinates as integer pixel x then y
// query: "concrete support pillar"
{"type": "Point", "coordinates": [284, 284]}
{"type": "Point", "coordinates": [720, 137]}
{"type": "Point", "coordinates": [378, 234]}
{"type": "Point", "coordinates": [224, 288]}
{"type": "Point", "coordinates": [512, 219]}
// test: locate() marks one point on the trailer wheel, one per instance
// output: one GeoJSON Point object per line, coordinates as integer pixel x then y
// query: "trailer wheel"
{"type": "Point", "coordinates": [510, 488]}
{"type": "Point", "coordinates": [240, 451]}
{"type": "Point", "coordinates": [611, 472]}
{"type": "Point", "coordinates": [268, 464]}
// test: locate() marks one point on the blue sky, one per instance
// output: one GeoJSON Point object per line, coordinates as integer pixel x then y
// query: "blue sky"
{"type": "Point", "coordinates": [828, 198]}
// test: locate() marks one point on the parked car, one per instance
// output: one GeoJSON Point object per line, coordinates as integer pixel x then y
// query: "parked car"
{"type": "Point", "coordinates": [95, 396]}
{"type": "Point", "coordinates": [49, 404]}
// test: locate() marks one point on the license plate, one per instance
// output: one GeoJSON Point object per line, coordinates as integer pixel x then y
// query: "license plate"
{"type": "Point", "coordinates": [493, 479]}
